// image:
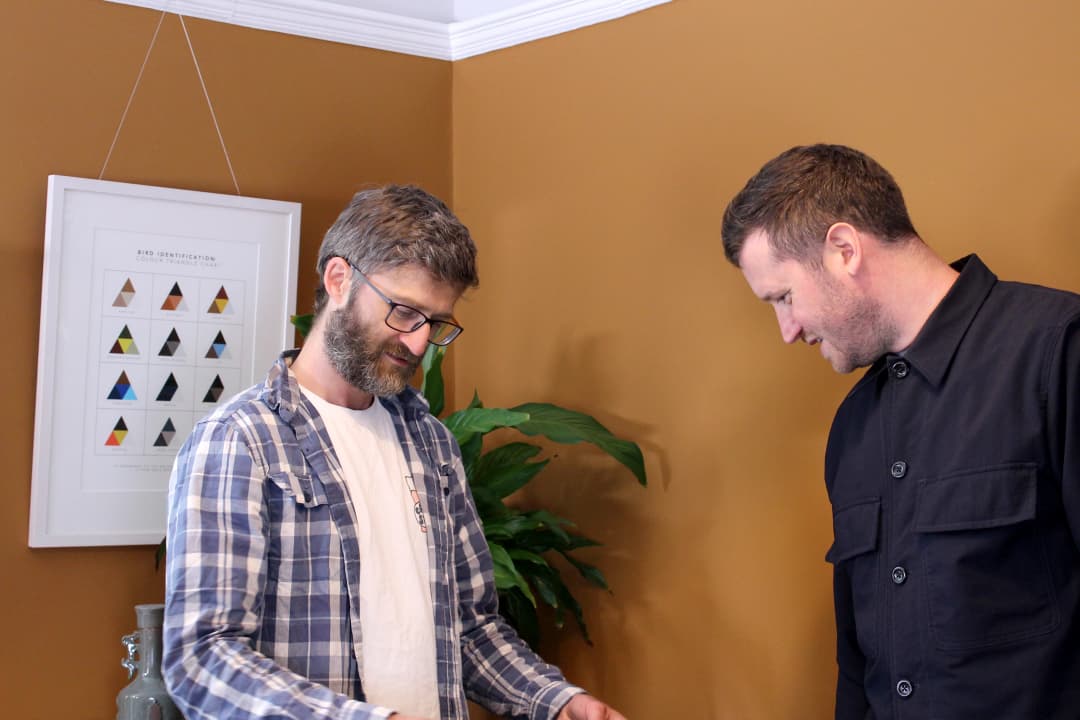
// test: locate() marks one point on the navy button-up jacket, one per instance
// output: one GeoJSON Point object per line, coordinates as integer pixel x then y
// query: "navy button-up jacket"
{"type": "Point", "coordinates": [954, 476]}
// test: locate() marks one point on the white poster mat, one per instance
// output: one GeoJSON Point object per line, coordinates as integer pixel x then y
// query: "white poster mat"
{"type": "Point", "coordinates": [156, 305]}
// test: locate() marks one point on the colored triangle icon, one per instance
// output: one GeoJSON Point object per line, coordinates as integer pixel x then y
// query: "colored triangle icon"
{"type": "Point", "coordinates": [119, 432]}
{"type": "Point", "coordinates": [168, 389]}
{"type": "Point", "coordinates": [168, 432]}
{"type": "Point", "coordinates": [219, 303]}
{"type": "Point", "coordinates": [174, 299]}
{"type": "Point", "coordinates": [217, 348]}
{"type": "Point", "coordinates": [121, 389]}
{"type": "Point", "coordinates": [216, 388]}
{"type": "Point", "coordinates": [125, 344]}
{"type": "Point", "coordinates": [126, 294]}
{"type": "Point", "coordinates": [171, 344]}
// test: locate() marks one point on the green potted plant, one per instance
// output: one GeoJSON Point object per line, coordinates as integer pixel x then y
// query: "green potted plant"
{"type": "Point", "coordinates": [523, 541]}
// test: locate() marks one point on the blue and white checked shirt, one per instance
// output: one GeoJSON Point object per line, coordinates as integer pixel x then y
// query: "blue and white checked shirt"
{"type": "Point", "coordinates": [263, 569]}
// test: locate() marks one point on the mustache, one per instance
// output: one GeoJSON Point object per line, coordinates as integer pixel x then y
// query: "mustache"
{"type": "Point", "coordinates": [400, 350]}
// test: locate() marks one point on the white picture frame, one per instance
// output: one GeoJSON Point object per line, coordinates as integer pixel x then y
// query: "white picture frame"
{"type": "Point", "coordinates": [157, 304]}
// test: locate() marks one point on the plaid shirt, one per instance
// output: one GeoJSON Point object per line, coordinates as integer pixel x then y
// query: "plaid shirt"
{"type": "Point", "coordinates": [263, 568]}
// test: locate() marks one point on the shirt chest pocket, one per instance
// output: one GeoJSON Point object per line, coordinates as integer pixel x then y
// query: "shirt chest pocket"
{"type": "Point", "coordinates": [854, 553]}
{"type": "Point", "coordinates": [987, 573]}
{"type": "Point", "coordinates": [303, 546]}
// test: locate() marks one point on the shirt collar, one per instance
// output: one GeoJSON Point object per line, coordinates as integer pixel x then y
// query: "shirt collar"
{"type": "Point", "coordinates": [936, 344]}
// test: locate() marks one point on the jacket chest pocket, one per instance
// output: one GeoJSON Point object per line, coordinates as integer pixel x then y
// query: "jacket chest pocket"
{"type": "Point", "coordinates": [987, 573]}
{"type": "Point", "coordinates": [854, 552]}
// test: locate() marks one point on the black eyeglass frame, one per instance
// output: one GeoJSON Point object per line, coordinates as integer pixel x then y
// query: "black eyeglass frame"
{"type": "Point", "coordinates": [455, 329]}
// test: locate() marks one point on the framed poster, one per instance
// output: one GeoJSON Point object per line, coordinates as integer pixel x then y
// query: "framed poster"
{"type": "Point", "coordinates": [156, 305]}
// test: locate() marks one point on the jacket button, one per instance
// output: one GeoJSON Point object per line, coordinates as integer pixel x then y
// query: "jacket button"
{"type": "Point", "coordinates": [899, 369]}
{"type": "Point", "coordinates": [904, 688]}
{"type": "Point", "coordinates": [898, 469]}
{"type": "Point", "coordinates": [899, 575]}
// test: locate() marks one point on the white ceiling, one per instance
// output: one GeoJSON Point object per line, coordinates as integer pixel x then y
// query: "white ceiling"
{"type": "Point", "coordinates": [442, 29]}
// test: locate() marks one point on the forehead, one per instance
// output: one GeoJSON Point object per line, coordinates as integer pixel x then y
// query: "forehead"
{"type": "Point", "coordinates": [416, 286]}
{"type": "Point", "coordinates": [768, 277]}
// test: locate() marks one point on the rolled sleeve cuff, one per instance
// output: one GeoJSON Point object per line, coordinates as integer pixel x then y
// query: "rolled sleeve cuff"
{"type": "Point", "coordinates": [552, 699]}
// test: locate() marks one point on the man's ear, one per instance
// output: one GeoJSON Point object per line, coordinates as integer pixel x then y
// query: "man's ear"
{"type": "Point", "coordinates": [337, 279]}
{"type": "Point", "coordinates": [843, 251]}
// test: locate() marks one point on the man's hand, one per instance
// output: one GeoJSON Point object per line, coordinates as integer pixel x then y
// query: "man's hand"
{"type": "Point", "coordinates": [586, 707]}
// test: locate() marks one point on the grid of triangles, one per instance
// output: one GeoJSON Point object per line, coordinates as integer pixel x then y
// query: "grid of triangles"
{"type": "Point", "coordinates": [123, 390]}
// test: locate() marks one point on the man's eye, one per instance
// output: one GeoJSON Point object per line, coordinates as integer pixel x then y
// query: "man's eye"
{"type": "Point", "coordinates": [403, 312]}
{"type": "Point", "coordinates": [785, 299]}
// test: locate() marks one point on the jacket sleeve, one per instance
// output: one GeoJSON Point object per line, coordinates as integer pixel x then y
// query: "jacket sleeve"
{"type": "Point", "coordinates": [500, 671]}
{"type": "Point", "coordinates": [1063, 405]}
{"type": "Point", "coordinates": [851, 703]}
{"type": "Point", "coordinates": [215, 584]}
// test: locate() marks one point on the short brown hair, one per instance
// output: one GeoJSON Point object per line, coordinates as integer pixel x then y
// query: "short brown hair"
{"type": "Point", "coordinates": [397, 225]}
{"type": "Point", "coordinates": [799, 194]}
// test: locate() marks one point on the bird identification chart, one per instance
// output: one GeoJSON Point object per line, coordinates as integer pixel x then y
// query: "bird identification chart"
{"type": "Point", "coordinates": [169, 336]}
{"type": "Point", "coordinates": [157, 306]}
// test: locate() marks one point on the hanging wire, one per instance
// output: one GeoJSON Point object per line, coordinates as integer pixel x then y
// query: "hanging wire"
{"type": "Point", "coordinates": [209, 104]}
{"type": "Point", "coordinates": [202, 83]}
{"type": "Point", "coordinates": [138, 79]}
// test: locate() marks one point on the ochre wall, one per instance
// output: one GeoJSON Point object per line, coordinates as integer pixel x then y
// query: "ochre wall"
{"type": "Point", "coordinates": [303, 120]}
{"type": "Point", "coordinates": [594, 168]}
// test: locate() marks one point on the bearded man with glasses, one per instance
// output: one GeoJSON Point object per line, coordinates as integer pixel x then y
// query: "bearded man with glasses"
{"type": "Point", "coordinates": [325, 555]}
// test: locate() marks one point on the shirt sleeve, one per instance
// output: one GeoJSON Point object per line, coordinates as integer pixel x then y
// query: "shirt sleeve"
{"type": "Point", "coordinates": [215, 580]}
{"type": "Point", "coordinates": [500, 671]}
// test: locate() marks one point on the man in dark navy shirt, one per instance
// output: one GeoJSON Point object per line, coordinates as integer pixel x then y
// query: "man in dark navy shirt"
{"type": "Point", "coordinates": [953, 465]}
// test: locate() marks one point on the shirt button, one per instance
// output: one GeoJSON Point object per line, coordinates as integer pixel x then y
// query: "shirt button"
{"type": "Point", "coordinates": [899, 575]}
{"type": "Point", "coordinates": [904, 688]}
{"type": "Point", "coordinates": [899, 369]}
{"type": "Point", "coordinates": [898, 469]}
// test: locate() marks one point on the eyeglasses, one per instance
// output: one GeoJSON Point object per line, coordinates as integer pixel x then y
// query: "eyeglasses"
{"type": "Point", "coordinates": [407, 319]}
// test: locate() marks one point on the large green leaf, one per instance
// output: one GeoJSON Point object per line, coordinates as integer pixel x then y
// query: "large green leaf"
{"type": "Point", "coordinates": [522, 525]}
{"type": "Point", "coordinates": [542, 539]}
{"type": "Point", "coordinates": [470, 452]}
{"type": "Point", "coordinates": [589, 572]}
{"type": "Point", "coordinates": [553, 583]}
{"type": "Point", "coordinates": [506, 574]}
{"type": "Point", "coordinates": [547, 590]}
{"type": "Point", "coordinates": [432, 386]}
{"type": "Point", "coordinates": [506, 469]}
{"type": "Point", "coordinates": [550, 521]}
{"type": "Point", "coordinates": [488, 505]}
{"type": "Point", "coordinates": [465, 424]}
{"type": "Point", "coordinates": [526, 557]}
{"type": "Point", "coordinates": [569, 427]}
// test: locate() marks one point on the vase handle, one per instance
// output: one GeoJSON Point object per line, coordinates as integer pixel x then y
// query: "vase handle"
{"type": "Point", "coordinates": [131, 642]}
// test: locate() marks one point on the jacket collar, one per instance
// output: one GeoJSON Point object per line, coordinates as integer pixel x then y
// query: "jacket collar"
{"type": "Point", "coordinates": [936, 345]}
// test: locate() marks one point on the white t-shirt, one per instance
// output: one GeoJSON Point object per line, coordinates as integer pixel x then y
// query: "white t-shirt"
{"type": "Point", "coordinates": [397, 651]}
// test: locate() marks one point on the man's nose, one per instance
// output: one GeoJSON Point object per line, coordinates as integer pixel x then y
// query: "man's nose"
{"type": "Point", "coordinates": [790, 330]}
{"type": "Point", "coordinates": [417, 340]}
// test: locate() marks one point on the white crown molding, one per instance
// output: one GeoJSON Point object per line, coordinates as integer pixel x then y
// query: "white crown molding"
{"type": "Point", "coordinates": [368, 23]}
{"type": "Point", "coordinates": [535, 20]}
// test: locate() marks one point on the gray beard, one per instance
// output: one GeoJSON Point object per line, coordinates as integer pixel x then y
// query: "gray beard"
{"type": "Point", "coordinates": [356, 358]}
